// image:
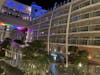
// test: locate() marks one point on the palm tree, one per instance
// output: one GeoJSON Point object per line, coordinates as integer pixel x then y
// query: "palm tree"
{"type": "Point", "coordinates": [79, 60]}
{"type": "Point", "coordinates": [73, 52]}
{"type": "Point", "coordinates": [82, 56]}
{"type": "Point", "coordinates": [37, 54]}
{"type": "Point", "coordinates": [72, 49]}
{"type": "Point", "coordinates": [36, 50]}
{"type": "Point", "coordinates": [76, 56]}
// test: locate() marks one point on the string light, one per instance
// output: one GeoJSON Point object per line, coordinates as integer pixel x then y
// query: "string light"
{"type": "Point", "coordinates": [13, 26]}
{"type": "Point", "coordinates": [20, 28]}
{"type": "Point", "coordinates": [1, 24]}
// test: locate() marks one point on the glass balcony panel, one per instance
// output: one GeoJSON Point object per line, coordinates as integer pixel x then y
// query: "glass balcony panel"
{"type": "Point", "coordinates": [83, 28]}
{"type": "Point", "coordinates": [72, 41]}
{"type": "Point", "coordinates": [73, 30]}
{"type": "Point", "coordinates": [97, 27]}
{"type": "Point", "coordinates": [75, 7]}
{"type": "Point", "coordinates": [97, 55]}
{"type": "Point", "coordinates": [83, 42]}
{"type": "Point", "coordinates": [85, 4]}
{"type": "Point", "coordinates": [83, 16]}
{"type": "Point", "coordinates": [66, 11]}
{"type": "Point", "coordinates": [96, 42]}
{"type": "Point", "coordinates": [97, 13]}
{"type": "Point", "coordinates": [95, 1]}
{"type": "Point", "coordinates": [76, 18]}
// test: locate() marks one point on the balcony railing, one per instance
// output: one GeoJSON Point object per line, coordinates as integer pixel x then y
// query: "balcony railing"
{"type": "Point", "coordinates": [84, 4]}
{"type": "Point", "coordinates": [85, 28]}
{"type": "Point", "coordinates": [95, 42]}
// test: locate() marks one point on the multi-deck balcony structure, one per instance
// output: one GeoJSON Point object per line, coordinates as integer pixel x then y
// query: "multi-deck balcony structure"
{"type": "Point", "coordinates": [73, 24]}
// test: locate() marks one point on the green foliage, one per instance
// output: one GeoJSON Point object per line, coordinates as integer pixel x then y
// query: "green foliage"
{"type": "Point", "coordinates": [19, 41]}
{"type": "Point", "coordinates": [74, 70]}
{"type": "Point", "coordinates": [2, 54]}
{"type": "Point", "coordinates": [78, 56]}
{"type": "Point", "coordinates": [37, 52]}
{"type": "Point", "coordinates": [83, 53]}
{"type": "Point", "coordinates": [10, 70]}
{"type": "Point", "coordinates": [1, 71]}
{"type": "Point", "coordinates": [5, 43]}
{"type": "Point", "coordinates": [38, 44]}
{"type": "Point", "coordinates": [82, 56]}
{"type": "Point", "coordinates": [72, 49]}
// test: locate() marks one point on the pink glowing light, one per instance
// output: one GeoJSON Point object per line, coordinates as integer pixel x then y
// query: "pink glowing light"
{"type": "Point", "coordinates": [20, 28]}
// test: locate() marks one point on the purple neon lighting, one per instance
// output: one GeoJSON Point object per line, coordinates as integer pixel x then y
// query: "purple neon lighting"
{"type": "Point", "coordinates": [20, 28]}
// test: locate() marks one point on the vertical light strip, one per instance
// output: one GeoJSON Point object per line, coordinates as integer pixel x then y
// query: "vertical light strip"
{"type": "Point", "coordinates": [67, 32]}
{"type": "Point", "coordinates": [52, 13]}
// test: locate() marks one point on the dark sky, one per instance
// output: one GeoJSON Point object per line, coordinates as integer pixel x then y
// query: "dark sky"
{"type": "Point", "coordinates": [46, 4]}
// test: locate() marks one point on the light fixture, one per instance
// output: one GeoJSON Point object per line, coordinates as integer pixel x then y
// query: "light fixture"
{"type": "Point", "coordinates": [89, 57]}
{"type": "Point", "coordinates": [80, 64]}
{"type": "Point", "coordinates": [13, 26]}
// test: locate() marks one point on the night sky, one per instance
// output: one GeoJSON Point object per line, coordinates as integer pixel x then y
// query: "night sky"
{"type": "Point", "coordinates": [46, 4]}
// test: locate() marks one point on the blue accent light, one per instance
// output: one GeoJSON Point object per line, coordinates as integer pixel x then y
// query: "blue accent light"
{"type": "Point", "coordinates": [17, 6]}
{"type": "Point", "coordinates": [20, 8]}
{"type": "Point", "coordinates": [54, 56]}
{"type": "Point", "coordinates": [33, 5]}
{"type": "Point", "coordinates": [10, 3]}
{"type": "Point", "coordinates": [37, 11]}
